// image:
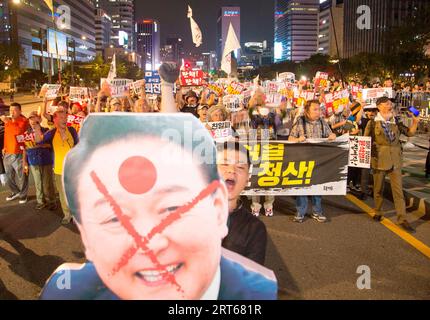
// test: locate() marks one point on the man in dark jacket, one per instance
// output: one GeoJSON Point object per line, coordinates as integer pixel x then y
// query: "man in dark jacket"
{"type": "Point", "coordinates": [247, 235]}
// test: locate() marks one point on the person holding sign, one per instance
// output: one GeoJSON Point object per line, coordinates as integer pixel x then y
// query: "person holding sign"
{"type": "Point", "coordinates": [191, 103]}
{"type": "Point", "coordinates": [62, 139]}
{"type": "Point", "coordinates": [310, 126]}
{"type": "Point", "coordinates": [39, 160]}
{"type": "Point", "coordinates": [17, 180]}
{"type": "Point", "coordinates": [385, 131]}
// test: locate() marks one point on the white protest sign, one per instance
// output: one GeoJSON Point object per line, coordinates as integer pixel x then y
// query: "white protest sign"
{"type": "Point", "coordinates": [78, 94]}
{"type": "Point", "coordinates": [287, 76]}
{"type": "Point", "coordinates": [360, 152]}
{"type": "Point", "coordinates": [221, 131]}
{"type": "Point", "coordinates": [232, 103]}
{"type": "Point", "coordinates": [376, 93]}
{"type": "Point", "coordinates": [120, 87]}
{"type": "Point", "coordinates": [49, 91]}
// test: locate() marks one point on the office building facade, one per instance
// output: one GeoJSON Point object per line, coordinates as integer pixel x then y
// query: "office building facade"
{"type": "Point", "coordinates": [123, 21]}
{"type": "Point", "coordinates": [104, 32]}
{"type": "Point", "coordinates": [226, 16]}
{"type": "Point", "coordinates": [296, 29]}
{"type": "Point", "coordinates": [331, 28]}
{"type": "Point", "coordinates": [148, 42]}
{"type": "Point", "coordinates": [47, 45]}
{"type": "Point", "coordinates": [383, 16]}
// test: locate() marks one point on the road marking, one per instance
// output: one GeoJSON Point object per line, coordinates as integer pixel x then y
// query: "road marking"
{"type": "Point", "coordinates": [417, 244]}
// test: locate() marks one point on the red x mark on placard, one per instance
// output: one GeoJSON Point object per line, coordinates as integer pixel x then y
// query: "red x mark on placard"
{"type": "Point", "coordinates": [140, 241]}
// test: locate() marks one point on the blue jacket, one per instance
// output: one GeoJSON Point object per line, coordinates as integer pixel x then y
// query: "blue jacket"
{"type": "Point", "coordinates": [237, 283]}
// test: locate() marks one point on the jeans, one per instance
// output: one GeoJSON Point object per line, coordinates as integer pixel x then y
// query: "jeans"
{"type": "Point", "coordinates": [302, 205]}
{"type": "Point", "coordinates": [44, 183]}
{"type": "Point", "coordinates": [60, 189]}
{"type": "Point", "coordinates": [17, 180]}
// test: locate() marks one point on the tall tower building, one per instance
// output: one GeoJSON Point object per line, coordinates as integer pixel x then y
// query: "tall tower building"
{"type": "Point", "coordinates": [122, 14]}
{"type": "Point", "coordinates": [226, 16]}
{"type": "Point", "coordinates": [330, 31]}
{"type": "Point", "coordinates": [103, 31]}
{"type": "Point", "coordinates": [148, 43]}
{"type": "Point", "coordinates": [296, 29]}
{"type": "Point", "coordinates": [384, 15]}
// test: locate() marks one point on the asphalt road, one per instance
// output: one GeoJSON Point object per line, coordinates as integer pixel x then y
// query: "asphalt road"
{"type": "Point", "coordinates": [310, 260]}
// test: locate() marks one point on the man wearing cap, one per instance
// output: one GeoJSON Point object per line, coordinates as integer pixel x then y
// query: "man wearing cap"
{"type": "Point", "coordinates": [17, 181]}
{"type": "Point", "coordinates": [62, 139]}
{"type": "Point", "coordinates": [385, 131]}
{"type": "Point", "coordinates": [191, 103]}
{"type": "Point", "coordinates": [39, 160]}
{"type": "Point", "coordinates": [202, 111]}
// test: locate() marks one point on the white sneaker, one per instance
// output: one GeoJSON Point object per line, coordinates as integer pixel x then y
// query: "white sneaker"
{"type": "Point", "coordinates": [12, 197]}
{"type": "Point", "coordinates": [23, 201]}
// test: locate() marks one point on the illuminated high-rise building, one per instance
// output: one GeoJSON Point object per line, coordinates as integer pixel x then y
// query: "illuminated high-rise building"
{"type": "Point", "coordinates": [226, 16]}
{"type": "Point", "coordinates": [122, 14]}
{"type": "Point", "coordinates": [296, 29]}
{"type": "Point", "coordinates": [148, 42]}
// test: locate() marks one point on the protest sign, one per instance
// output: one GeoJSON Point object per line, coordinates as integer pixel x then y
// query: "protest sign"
{"type": "Point", "coordinates": [273, 100]}
{"type": "Point", "coordinates": [152, 82]}
{"type": "Point", "coordinates": [287, 77]}
{"type": "Point", "coordinates": [218, 90]}
{"type": "Point", "coordinates": [321, 80]}
{"type": "Point", "coordinates": [356, 92]}
{"type": "Point", "coordinates": [340, 99]}
{"type": "Point", "coordinates": [191, 78]}
{"type": "Point", "coordinates": [120, 87]}
{"type": "Point", "coordinates": [75, 121]}
{"type": "Point", "coordinates": [221, 131]}
{"type": "Point", "coordinates": [49, 91]}
{"type": "Point", "coordinates": [232, 103]}
{"type": "Point", "coordinates": [137, 87]}
{"type": "Point", "coordinates": [165, 172]}
{"type": "Point", "coordinates": [235, 88]}
{"type": "Point", "coordinates": [27, 137]}
{"type": "Point", "coordinates": [78, 94]}
{"type": "Point", "coordinates": [370, 95]}
{"type": "Point", "coordinates": [360, 152]}
{"type": "Point", "coordinates": [304, 169]}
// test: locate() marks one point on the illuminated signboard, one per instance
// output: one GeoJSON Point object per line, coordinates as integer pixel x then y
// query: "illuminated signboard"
{"type": "Point", "coordinates": [231, 13]}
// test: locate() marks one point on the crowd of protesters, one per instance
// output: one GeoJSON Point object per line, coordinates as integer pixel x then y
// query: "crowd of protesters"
{"type": "Point", "coordinates": [49, 136]}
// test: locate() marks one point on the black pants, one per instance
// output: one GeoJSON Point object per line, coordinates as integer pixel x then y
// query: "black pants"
{"type": "Point", "coordinates": [354, 175]}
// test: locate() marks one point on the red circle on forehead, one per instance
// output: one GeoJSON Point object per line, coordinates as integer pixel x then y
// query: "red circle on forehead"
{"type": "Point", "coordinates": [137, 175]}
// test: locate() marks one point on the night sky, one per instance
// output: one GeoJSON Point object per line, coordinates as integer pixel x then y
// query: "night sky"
{"type": "Point", "coordinates": [257, 19]}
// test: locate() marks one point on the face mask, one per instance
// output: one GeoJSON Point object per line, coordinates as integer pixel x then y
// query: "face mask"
{"type": "Point", "coordinates": [264, 112]}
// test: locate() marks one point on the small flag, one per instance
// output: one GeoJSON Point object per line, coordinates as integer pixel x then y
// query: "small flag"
{"type": "Point", "coordinates": [112, 71]}
{"type": "Point", "coordinates": [231, 44]}
{"type": "Point", "coordinates": [50, 5]}
{"type": "Point", "coordinates": [195, 29]}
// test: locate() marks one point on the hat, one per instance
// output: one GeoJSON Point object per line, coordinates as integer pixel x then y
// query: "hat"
{"type": "Point", "coordinates": [370, 107]}
{"type": "Point", "coordinates": [190, 94]}
{"type": "Point", "coordinates": [115, 101]}
{"type": "Point", "coordinates": [202, 106]}
{"type": "Point", "coordinates": [216, 108]}
{"type": "Point", "coordinates": [33, 114]}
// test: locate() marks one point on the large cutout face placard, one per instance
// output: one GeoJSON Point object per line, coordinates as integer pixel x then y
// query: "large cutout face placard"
{"type": "Point", "coordinates": [151, 209]}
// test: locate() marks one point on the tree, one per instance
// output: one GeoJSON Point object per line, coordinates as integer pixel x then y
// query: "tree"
{"type": "Point", "coordinates": [408, 42]}
{"type": "Point", "coordinates": [10, 54]}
